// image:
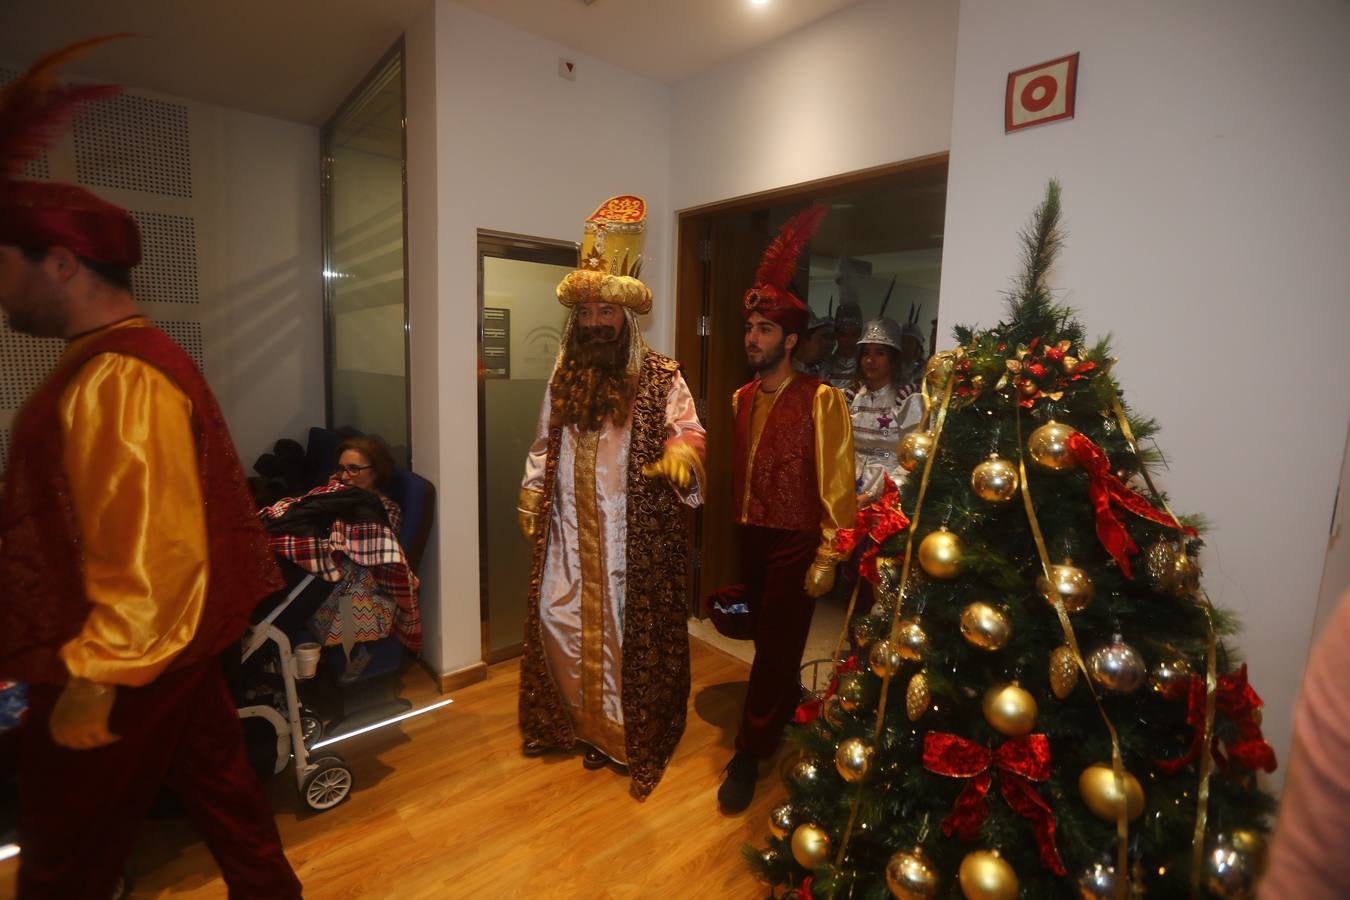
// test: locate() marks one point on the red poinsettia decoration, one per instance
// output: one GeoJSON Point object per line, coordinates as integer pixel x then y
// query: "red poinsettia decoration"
{"type": "Point", "coordinates": [1044, 371]}
{"type": "Point", "coordinates": [877, 521]}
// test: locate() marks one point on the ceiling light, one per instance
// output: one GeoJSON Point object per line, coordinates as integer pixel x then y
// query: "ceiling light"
{"type": "Point", "coordinates": [759, 2]}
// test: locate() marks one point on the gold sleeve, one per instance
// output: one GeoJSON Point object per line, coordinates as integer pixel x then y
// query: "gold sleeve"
{"type": "Point", "coordinates": [131, 461]}
{"type": "Point", "coordinates": [834, 467]}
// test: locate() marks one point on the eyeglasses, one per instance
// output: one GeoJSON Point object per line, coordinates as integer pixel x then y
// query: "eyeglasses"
{"type": "Point", "coordinates": [353, 470]}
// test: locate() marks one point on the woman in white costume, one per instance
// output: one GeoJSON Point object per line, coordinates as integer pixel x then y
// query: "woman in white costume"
{"type": "Point", "coordinates": [883, 409]}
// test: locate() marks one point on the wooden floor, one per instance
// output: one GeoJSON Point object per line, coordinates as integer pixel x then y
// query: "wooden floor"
{"type": "Point", "coordinates": [445, 806]}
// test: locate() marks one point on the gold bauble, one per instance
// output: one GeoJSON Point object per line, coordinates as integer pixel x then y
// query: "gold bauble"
{"type": "Point", "coordinates": [914, 449]}
{"type": "Point", "coordinates": [910, 876]}
{"type": "Point", "coordinates": [1048, 447]}
{"type": "Point", "coordinates": [782, 820]}
{"type": "Point", "coordinates": [853, 759]}
{"type": "Point", "coordinates": [1253, 844]}
{"type": "Point", "coordinates": [888, 571]}
{"type": "Point", "coordinates": [917, 696]}
{"type": "Point", "coordinates": [1117, 667]}
{"type": "Point", "coordinates": [1234, 863]}
{"type": "Point", "coordinates": [805, 774]}
{"type": "Point", "coordinates": [1070, 584]}
{"type": "Point", "coordinates": [833, 711]}
{"type": "Point", "coordinates": [939, 369]}
{"type": "Point", "coordinates": [852, 692]}
{"type": "Point", "coordinates": [940, 554]}
{"type": "Point", "coordinates": [994, 480]}
{"type": "Point", "coordinates": [884, 658]}
{"type": "Point", "coordinates": [1171, 569]}
{"type": "Point", "coordinates": [910, 640]}
{"type": "Point", "coordinates": [810, 846]}
{"type": "Point", "coordinates": [1009, 709]}
{"type": "Point", "coordinates": [984, 875]}
{"type": "Point", "coordinates": [1097, 882]}
{"type": "Point", "coordinates": [1063, 671]}
{"type": "Point", "coordinates": [1171, 678]}
{"type": "Point", "coordinates": [865, 631]}
{"type": "Point", "coordinates": [1097, 785]}
{"type": "Point", "coordinates": [985, 626]}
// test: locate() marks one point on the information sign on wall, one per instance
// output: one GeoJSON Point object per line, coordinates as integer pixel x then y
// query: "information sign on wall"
{"type": "Point", "coordinates": [1041, 93]}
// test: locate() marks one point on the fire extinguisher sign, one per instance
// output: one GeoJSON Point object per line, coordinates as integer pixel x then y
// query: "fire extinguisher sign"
{"type": "Point", "coordinates": [1041, 93]}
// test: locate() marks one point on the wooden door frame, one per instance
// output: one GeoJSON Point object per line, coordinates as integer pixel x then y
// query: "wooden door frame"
{"type": "Point", "coordinates": [693, 226]}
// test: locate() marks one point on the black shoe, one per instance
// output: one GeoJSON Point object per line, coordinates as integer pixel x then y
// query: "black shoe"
{"type": "Point", "coordinates": [736, 792]}
{"type": "Point", "coordinates": [594, 759]}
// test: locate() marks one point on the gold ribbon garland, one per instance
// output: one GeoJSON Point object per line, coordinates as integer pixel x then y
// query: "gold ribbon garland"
{"type": "Point", "coordinates": [899, 601]}
{"type": "Point", "coordinates": [1211, 675]}
{"type": "Point", "coordinates": [1117, 765]}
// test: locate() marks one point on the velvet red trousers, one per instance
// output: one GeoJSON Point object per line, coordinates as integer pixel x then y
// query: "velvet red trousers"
{"type": "Point", "coordinates": [79, 809]}
{"type": "Point", "coordinates": [775, 564]}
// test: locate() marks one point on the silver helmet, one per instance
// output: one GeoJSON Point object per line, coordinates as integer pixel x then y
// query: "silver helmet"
{"type": "Point", "coordinates": [881, 331]}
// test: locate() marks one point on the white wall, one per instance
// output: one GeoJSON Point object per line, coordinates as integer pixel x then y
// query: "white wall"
{"type": "Point", "coordinates": [866, 86]}
{"type": "Point", "coordinates": [1207, 203]}
{"type": "Point", "coordinates": [261, 259]}
{"type": "Point", "coordinates": [517, 149]}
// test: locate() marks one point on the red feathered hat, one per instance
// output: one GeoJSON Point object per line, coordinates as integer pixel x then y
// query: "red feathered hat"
{"type": "Point", "coordinates": [770, 296]}
{"type": "Point", "coordinates": [41, 214]}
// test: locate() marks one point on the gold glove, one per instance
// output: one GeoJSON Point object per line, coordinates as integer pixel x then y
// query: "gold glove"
{"type": "Point", "coordinates": [678, 465]}
{"type": "Point", "coordinates": [80, 718]}
{"type": "Point", "coordinates": [527, 512]}
{"type": "Point", "coordinates": [820, 577]}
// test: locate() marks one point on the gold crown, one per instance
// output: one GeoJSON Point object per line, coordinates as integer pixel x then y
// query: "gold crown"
{"type": "Point", "coordinates": [609, 259]}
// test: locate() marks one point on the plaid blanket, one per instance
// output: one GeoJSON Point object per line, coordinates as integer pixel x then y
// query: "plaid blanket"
{"type": "Point", "coordinates": [370, 544]}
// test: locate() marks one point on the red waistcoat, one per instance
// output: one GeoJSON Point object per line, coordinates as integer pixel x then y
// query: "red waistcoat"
{"type": "Point", "coordinates": [784, 491]}
{"type": "Point", "coordinates": [42, 599]}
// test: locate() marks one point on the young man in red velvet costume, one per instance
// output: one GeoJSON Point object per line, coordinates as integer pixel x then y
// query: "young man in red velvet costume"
{"type": "Point", "coordinates": [792, 479]}
{"type": "Point", "coordinates": [130, 556]}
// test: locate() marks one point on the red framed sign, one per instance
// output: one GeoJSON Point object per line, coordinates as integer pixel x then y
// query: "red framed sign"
{"type": "Point", "coordinates": [1041, 93]}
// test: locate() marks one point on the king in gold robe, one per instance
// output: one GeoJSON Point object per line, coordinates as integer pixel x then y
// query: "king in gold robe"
{"type": "Point", "coordinates": [618, 454]}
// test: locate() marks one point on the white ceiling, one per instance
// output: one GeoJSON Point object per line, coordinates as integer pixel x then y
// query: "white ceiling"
{"type": "Point", "coordinates": [298, 59]}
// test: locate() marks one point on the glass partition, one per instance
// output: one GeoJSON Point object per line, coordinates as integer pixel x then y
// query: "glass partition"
{"type": "Point", "coordinates": [521, 327]}
{"type": "Point", "coordinates": [364, 260]}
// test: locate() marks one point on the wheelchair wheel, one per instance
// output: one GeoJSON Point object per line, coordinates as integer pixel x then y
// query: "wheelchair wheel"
{"type": "Point", "coordinates": [328, 785]}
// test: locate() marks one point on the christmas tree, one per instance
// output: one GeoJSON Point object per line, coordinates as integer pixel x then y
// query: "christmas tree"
{"type": "Point", "coordinates": [1042, 702]}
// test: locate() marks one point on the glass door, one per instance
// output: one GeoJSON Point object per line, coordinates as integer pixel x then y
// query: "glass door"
{"type": "Point", "coordinates": [365, 300]}
{"type": "Point", "coordinates": [519, 333]}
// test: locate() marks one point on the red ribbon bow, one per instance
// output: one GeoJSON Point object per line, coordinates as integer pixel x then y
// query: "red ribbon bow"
{"type": "Point", "coordinates": [1106, 489]}
{"type": "Point", "coordinates": [1236, 699]}
{"type": "Point", "coordinates": [1019, 761]}
{"type": "Point", "coordinates": [878, 520]}
{"type": "Point", "coordinates": [810, 710]}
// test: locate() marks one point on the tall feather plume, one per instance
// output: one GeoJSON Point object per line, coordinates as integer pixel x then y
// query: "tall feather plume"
{"type": "Point", "coordinates": [779, 263]}
{"type": "Point", "coordinates": [35, 107]}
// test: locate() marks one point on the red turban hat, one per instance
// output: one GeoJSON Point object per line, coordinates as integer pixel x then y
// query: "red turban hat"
{"type": "Point", "coordinates": [770, 296]}
{"type": "Point", "coordinates": [41, 214]}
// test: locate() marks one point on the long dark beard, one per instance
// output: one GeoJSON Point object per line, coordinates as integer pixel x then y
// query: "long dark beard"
{"type": "Point", "coordinates": [592, 382]}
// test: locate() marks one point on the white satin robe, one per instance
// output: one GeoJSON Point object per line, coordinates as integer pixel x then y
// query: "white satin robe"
{"type": "Point", "coordinates": [585, 662]}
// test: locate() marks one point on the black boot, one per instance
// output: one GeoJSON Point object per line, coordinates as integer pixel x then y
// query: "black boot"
{"type": "Point", "coordinates": [739, 788]}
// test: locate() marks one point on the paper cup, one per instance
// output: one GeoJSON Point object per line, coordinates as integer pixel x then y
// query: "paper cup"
{"type": "Point", "coordinates": [306, 660]}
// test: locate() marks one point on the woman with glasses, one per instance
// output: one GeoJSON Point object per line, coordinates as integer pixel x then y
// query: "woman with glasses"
{"type": "Point", "coordinates": [357, 611]}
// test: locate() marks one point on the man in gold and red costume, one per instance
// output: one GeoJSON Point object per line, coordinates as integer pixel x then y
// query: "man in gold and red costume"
{"type": "Point", "coordinates": [792, 478]}
{"type": "Point", "coordinates": [617, 456]}
{"type": "Point", "coordinates": [130, 557]}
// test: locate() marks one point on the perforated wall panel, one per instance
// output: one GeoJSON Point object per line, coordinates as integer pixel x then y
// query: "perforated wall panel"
{"type": "Point", "coordinates": [136, 144]}
{"type": "Point", "coordinates": [34, 168]}
{"type": "Point", "coordinates": [187, 335]}
{"type": "Point", "coordinates": [4, 448]}
{"type": "Point", "coordinates": [168, 269]}
{"type": "Point", "coordinates": [24, 362]}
